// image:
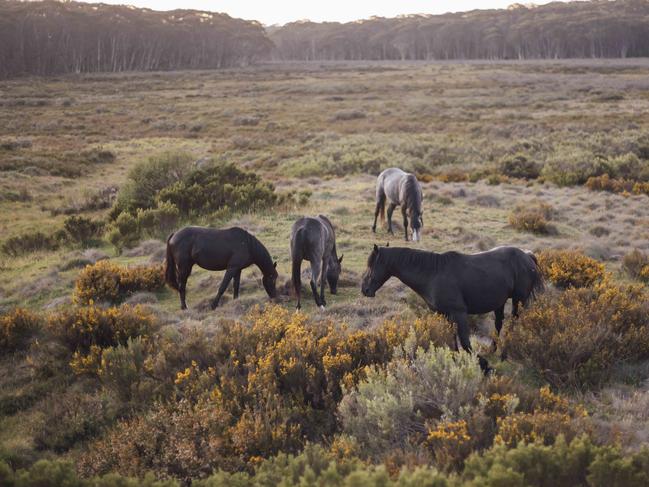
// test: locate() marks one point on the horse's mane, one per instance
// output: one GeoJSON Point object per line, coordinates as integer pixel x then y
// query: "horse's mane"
{"type": "Point", "coordinates": [412, 193]}
{"type": "Point", "coordinates": [418, 259]}
{"type": "Point", "coordinates": [260, 254]}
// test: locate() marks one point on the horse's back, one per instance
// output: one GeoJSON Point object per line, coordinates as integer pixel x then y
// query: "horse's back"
{"type": "Point", "coordinates": [315, 234]}
{"type": "Point", "coordinates": [211, 248]}
{"type": "Point", "coordinates": [389, 182]}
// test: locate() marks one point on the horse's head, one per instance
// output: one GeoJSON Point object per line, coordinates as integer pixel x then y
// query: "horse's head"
{"type": "Point", "coordinates": [376, 273]}
{"type": "Point", "coordinates": [416, 222]}
{"type": "Point", "coordinates": [269, 281]}
{"type": "Point", "coordinates": [333, 273]}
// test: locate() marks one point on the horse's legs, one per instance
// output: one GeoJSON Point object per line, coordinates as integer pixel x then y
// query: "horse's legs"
{"type": "Point", "coordinates": [184, 270]}
{"type": "Point", "coordinates": [405, 222]}
{"type": "Point", "coordinates": [380, 203]}
{"type": "Point", "coordinates": [323, 278]}
{"type": "Point", "coordinates": [315, 274]}
{"type": "Point", "coordinates": [391, 208]}
{"type": "Point", "coordinates": [229, 274]}
{"type": "Point", "coordinates": [500, 316]}
{"type": "Point", "coordinates": [461, 319]}
{"type": "Point", "coordinates": [235, 284]}
{"type": "Point", "coordinates": [515, 307]}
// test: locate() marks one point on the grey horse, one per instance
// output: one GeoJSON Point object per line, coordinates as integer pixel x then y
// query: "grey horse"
{"type": "Point", "coordinates": [314, 239]}
{"type": "Point", "coordinates": [402, 189]}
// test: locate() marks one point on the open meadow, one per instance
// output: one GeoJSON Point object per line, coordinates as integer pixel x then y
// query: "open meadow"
{"type": "Point", "coordinates": [113, 377]}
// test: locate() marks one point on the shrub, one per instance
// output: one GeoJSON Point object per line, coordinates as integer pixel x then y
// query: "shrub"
{"type": "Point", "coordinates": [574, 338]}
{"type": "Point", "coordinates": [636, 265]}
{"type": "Point", "coordinates": [532, 218]}
{"type": "Point", "coordinates": [349, 115]}
{"type": "Point", "coordinates": [569, 268]}
{"type": "Point", "coordinates": [520, 167]}
{"type": "Point", "coordinates": [16, 329]}
{"type": "Point", "coordinates": [574, 167]}
{"type": "Point", "coordinates": [606, 183]}
{"type": "Point", "coordinates": [158, 221]}
{"type": "Point", "coordinates": [30, 242]}
{"type": "Point", "coordinates": [389, 409]}
{"type": "Point", "coordinates": [122, 370]}
{"type": "Point", "coordinates": [216, 187]}
{"type": "Point", "coordinates": [70, 417]}
{"type": "Point", "coordinates": [456, 176]}
{"type": "Point", "coordinates": [124, 232]}
{"type": "Point", "coordinates": [85, 331]}
{"type": "Point", "coordinates": [59, 473]}
{"type": "Point", "coordinates": [82, 230]}
{"type": "Point", "coordinates": [149, 177]}
{"type": "Point", "coordinates": [106, 281]}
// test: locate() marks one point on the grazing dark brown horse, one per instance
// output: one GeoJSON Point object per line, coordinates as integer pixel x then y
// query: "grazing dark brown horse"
{"type": "Point", "coordinates": [457, 285]}
{"type": "Point", "coordinates": [232, 250]}
{"type": "Point", "coordinates": [399, 188]}
{"type": "Point", "coordinates": [314, 239]}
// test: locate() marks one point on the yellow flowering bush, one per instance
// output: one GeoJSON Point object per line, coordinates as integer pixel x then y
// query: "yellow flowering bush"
{"type": "Point", "coordinates": [450, 442]}
{"type": "Point", "coordinates": [575, 337]}
{"type": "Point", "coordinates": [107, 281]}
{"type": "Point", "coordinates": [16, 327]}
{"type": "Point", "coordinates": [86, 330]}
{"type": "Point", "coordinates": [569, 268]}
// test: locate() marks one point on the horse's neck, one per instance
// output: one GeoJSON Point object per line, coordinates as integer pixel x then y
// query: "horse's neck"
{"type": "Point", "coordinates": [260, 256]}
{"type": "Point", "coordinates": [416, 277]}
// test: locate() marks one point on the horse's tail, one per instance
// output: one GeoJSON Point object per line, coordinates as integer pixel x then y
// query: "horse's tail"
{"type": "Point", "coordinates": [538, 283]}
{"type": "Point", "coordinates": [297, 254]}
{"type": "Point", "coordinates": [170, 267]}
{"type": "Point", "coordinates": [382, 209]}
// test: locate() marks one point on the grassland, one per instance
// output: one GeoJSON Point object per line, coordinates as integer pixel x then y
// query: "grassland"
{"type": "Point", "coordinates": [328, 129]}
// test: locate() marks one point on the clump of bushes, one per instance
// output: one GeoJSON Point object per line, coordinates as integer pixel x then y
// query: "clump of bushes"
{"type": "Point", "coordinates": [269, 384]}
{"type": "Point", "coordinates": [82, 230]}
{"type": "Point", "coordinates": [86, 331]}
{"type": "Point", "coordinates": [391, 406]}
{"type": "Point", "coordinates": [533, 218]}
{"type": "Point", "coordinates": [16, 328]}
{"type": "Point", "coordinates": [520, 167]}
{"type": "Point", "coordinates": [109, 282]}
{"type": "Point", "coordinates": [573, 167]}
{"type": "Point", "coordinates": [570, 268]}
{"type": "Point", "coordinates": [127, 229]}
{"type": "Point", "coordinates": [31, 242]}
{"type": "Point", "coordinates": [575, 337]}
{"type": "Point", "coordinates": [636, 265]}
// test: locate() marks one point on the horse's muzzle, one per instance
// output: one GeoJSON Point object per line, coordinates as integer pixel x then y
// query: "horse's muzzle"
{"type": "Point", "coordinates": [416, 236]}
{"type": "Point", "coordinates": [367, 293]}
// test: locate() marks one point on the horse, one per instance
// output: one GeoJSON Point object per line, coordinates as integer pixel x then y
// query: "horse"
{"type": "Point", "coordinates": [400, 189]}
{"type": "Point", "coordinates": [314, 239]}
{"type": "Point", "coordinates": [457, 285]}
{"type": "Point", "coordinates": [231, 249]}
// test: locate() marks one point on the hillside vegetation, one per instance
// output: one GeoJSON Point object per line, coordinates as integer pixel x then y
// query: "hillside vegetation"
{"type": "Point", "coordinates": [104, 381]}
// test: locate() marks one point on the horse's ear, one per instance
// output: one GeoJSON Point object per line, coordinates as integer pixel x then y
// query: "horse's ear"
{"type": "Point", "coordinates": [376, 248]}
{"type": "Point", "coordinates": [387, 244]}
{"type": "Point", "coordinates": [340, 261]}
{"type": "Point", "coordinates": [275, 265]}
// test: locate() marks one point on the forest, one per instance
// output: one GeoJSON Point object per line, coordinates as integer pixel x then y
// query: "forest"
{"type": "Point", "coordinates": [52, 37]}
{"type": "Point", "coordinates": [597, 29]}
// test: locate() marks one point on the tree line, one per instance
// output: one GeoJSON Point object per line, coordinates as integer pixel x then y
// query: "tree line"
{"type": "Point", "coordinates": [51, 37]}
{"type": "Point", "coordinates": [599, 28]}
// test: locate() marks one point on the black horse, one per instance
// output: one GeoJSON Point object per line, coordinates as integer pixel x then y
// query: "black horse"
{"type": "Point", "coordinates": [400, 188]}
{"type": "Point", "coordinates": [314, 239]}
{"type": "Point", "coordinates": [232, 250]}
{"type": "Point", "coordinates": [457, 285]}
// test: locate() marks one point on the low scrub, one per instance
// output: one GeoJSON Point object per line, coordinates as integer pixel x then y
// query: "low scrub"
{"type": "Point", "coordinates": [533, 218]}
{"type": "Point", "coordinates": [636, 265]}
{"type": "Point", "coordinates": [574, 338]}
{"type": "Point", "coordinates": [106, 281]}
{"type": "Point", "coordinates": [520, 167]}
{"type": "Point", "coordinates": [31, 242]}
{"type": "Point", "coordinates": [86, 331]}
{"type": "Point", "coordinates": [570, 268]}
{"type": "Point", "coordinates": [81, 230]}
{"type": "Point", "coordinates": [268, 384]}
{"type": "Point", "coordinates": [572, 167]}
{"type": "Point", "coordinates": [16, 329]}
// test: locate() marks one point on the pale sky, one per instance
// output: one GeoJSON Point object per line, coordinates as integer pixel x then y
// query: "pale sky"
{"type": "Point", "coordinates": [270, 12]}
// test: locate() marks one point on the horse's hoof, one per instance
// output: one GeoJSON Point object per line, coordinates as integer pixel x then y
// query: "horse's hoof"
{"type": "Point", "coordinates": [322, 308]}
{"type": "Point", "coordinates": [373, 229]}
{"type": "Point", "coordinates": [214, 306]}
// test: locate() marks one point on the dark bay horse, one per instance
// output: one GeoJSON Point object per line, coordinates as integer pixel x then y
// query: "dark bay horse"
{"type": "Point", "coordinates": [232, 250]}
{"type": "Point", "coordinates": [457, 285]}
{"type": "Point", "coordinates": [399, 188]}
{"type": "Point", "coordinates": [314, 239]}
